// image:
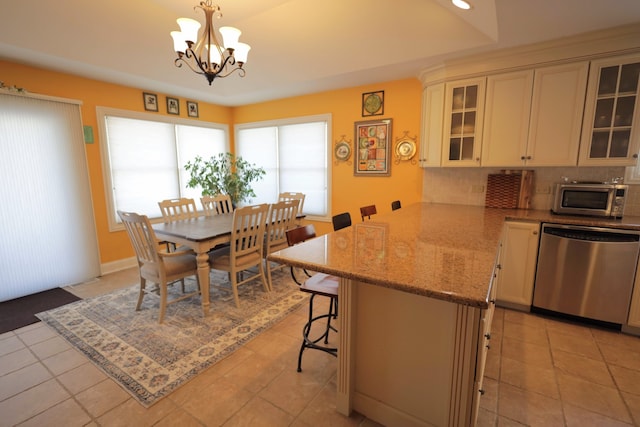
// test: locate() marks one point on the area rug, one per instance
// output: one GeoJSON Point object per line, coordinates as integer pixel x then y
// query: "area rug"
{"type": "Point", "coordinates": [20, 312]}
{"type": "Point", "coordinates": [150, 360]}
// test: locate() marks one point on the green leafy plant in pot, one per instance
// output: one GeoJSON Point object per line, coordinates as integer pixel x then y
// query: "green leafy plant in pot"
{"type": "Point", "coordinates": [224, 174]}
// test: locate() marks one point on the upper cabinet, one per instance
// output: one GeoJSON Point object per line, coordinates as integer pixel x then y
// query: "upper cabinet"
{"type": "Point", "coordinates": [533, 117]}
{"type": "Point", "coordinates": [463, 120]}
{"type": "Point", "coordinates": [432, 117]}
{"type": "Point", "coordinates": [610, 135]}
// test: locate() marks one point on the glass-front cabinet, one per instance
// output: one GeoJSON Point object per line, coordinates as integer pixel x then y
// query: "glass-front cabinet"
{"type": "Point", "coordinates": [610, 134]}
{"type": "Point", "coordinates": [464, 102]}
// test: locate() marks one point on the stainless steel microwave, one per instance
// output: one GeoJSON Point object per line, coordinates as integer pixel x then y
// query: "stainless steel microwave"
{"type": "Point", "coordinates": [603, 200]}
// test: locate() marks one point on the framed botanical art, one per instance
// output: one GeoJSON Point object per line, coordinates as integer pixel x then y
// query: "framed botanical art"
{"type": "Point", "coordinates": [150, 101]}
{"type": "Point", "coordinates": [173, 106]}
{"type": "Point", "coordinates": [192, 109]}
{"type": "Point", "coordinates": [373, 148]}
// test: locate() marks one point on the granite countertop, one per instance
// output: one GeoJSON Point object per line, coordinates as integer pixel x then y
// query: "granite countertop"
{"type": "Point", "coordinates": [441, 251]}
{"type": "Point", "coordinates": [437, 250]}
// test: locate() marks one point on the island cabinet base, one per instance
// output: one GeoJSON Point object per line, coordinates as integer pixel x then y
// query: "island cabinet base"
{"type": "Point", "coordinates": [409, 360]}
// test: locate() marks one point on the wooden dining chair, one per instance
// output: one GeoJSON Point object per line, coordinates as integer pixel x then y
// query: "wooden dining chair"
{"type": "Point", "coordinates": [283, 197]}
{"type": "Point", "coordinates": [318, 284]}
{"type": "Point", "coordinates": [216, 205]}
{"type": "Point", "coordinates": [395, 205]}
{"type": "Point", "coordinates": [281, 217]}
{"type": "Point", "coordinates": [161, 268]}
{"type": "Point", "coordinates": [178, 209]}
{"type": "Point", "coordinates": [245, 249]}
{"type": "Point", "coordinates": [341, 220]}
{"type": "Point", "coordinates": [368, 211]}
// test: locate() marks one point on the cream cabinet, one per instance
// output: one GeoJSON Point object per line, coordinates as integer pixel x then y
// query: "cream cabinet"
{"type": "Point", "coordinates": [534, 117]}
{"type": "Point", "coordinates": [432, 118]}
{"type": "Point", "coordinates": [634, 311]}
{"type": "Point", "coordinates": [506, 123]}
{"type": "Point", "coordinates": [463, 120]}
{"type": "Point", "coordinates": [610, 134]}
{"type": "Point", "coordinates": [518, 264]}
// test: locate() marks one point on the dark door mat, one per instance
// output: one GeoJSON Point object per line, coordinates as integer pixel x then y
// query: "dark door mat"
{"type": "Point", "coordinates": [20, 312]}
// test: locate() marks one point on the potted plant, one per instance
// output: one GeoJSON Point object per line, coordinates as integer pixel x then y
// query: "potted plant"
{"type": "Point", "coordinates": [224, 174]}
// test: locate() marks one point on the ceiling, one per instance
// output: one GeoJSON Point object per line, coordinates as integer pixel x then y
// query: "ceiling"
{"type": "Point", "coordinates": [298, 46]}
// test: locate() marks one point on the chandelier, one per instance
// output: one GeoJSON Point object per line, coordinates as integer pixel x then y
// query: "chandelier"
{"type": "Point", "coordinates": [206, 56]}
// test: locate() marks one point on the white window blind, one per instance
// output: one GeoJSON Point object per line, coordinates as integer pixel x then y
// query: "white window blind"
{"type": "Point", "coordinates": [294, 153]}
{"type": "Point", "coordinates": [145, 155]}
{"type": "Point", "coordinates": [47, 228]}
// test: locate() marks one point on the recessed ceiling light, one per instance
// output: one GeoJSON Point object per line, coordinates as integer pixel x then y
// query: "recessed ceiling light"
{"type": "Point", "coordinates": [461, 4]}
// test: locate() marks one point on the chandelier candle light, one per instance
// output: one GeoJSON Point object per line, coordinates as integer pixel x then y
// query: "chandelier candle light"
{"type": "Point", "coordinates": [206, 55]}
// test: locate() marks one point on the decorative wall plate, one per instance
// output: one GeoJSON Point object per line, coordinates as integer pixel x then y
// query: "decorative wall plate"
{"type": "Point", "coordinates": [405, 148]}
{"type": "Point", "coordinates": [342, 150]}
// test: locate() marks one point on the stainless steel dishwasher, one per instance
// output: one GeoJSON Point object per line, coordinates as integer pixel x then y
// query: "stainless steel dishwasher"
{"type": "Point", "coordinates": [586, 271]}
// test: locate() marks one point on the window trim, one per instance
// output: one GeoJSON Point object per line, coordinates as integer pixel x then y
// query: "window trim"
{"type": "Point", "coordinates": [302, 120]}
{"type": "Point", "coordinates": [101, 113]}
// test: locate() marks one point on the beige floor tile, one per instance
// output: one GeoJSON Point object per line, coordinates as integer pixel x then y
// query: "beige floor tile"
{"type": "Point", "coordinates": [81, 378]}
{"type": "Point", "coordinates": [628, 380]}
{"type": "Point", "coordinates": [486, 418]}
{"type": "Point", "coordinates": [533, 354]}
{"type": "Point", "coordinates": [492, 364]}
{"type": "Point", "coordinates": [132, 413]}
{"type": "Point", "coordinates": [506, 422]}
{"type": "Point", "coordinates": [31, 402]}
{"type": "Point", "coordinates": [22, 379]}
{"type": "Point", "coordinates": [595, 371]}
{"type": "Point", "coordinates": [568, 328]}
{"type": "Point", "coordinates": [292, 391]}
{"type": "Point", "coordinates": [529, 408]}
{"type": "Point", "coordinates": [529, 377]}
{"type": "Point", "coordinates": [67, 413]}
{"type": "Point", "coordinates": [580, 417]}
{"type": "Point", "coordinates": [254, 373]}
{"type": "Point", "coordinates": [593, 397]}
{"type": "Point", "coordinates": [584, 346]}
{"type": "Point", "coordinates": [260, 413]}
{"type": "Point", "coordinates": [524, 318]}
{"type": "Point", "coordinates": [619, 339]}
{"type": "Point", "coordinates": [530, 334]}
{"type": "Point", "coordinates": [36, 333]}
{"type": "Point", "coordinates": [633, 403]}
{"type": "Point", "coordinates": [321, 411]}
{"type": "Point", "coordinates": [65, 361]}
{"type": "Point", "coordinates": [179, 417]}
{"type": "Point", "coordinates": [16, 360]}
{"type": "Point", "coordinates": [218, 402]}
{"type": "Point", "coordinates": [50, 347]}
{"type": "Point", "coordinates": [621, 356]}
{"type": "Point", "coordinates": [102, 397]}
{"type": "Point", "coordinates": [271, 344]}
{"type": "Point", "coordinates": [10, 343]}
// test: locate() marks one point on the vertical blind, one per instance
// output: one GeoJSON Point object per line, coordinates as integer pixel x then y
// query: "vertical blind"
{"type": "Point", "coordinates": [47, 227]}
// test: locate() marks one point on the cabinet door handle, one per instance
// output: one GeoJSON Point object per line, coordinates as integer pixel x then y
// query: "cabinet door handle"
{"type": "Point", "coordinates": [481, 391]}
{"type": "Point", "coordinates": [522, 157]}
{"type": "Point", "coordinates": [487, 336]}
{"type": "Point", "coordinates": [535, 233]}
{"type": "Point", "coordinates": [635, 156]}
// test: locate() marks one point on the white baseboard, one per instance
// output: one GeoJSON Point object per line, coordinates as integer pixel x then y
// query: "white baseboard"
{"type": "Point", "coordinates": [121, 264]}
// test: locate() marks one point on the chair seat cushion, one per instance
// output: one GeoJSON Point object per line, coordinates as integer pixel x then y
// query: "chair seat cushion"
{"type": "Point", "coordinates": [321, 283]}
{"type": "Point", "coordinates": [219, 259]}
{"type": "Point", "coordinates": [175, 265]}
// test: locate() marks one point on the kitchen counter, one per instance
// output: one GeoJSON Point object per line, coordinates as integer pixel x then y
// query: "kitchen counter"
{"type": "Point", "coordinates": [627, 222]}
{"type": "Point", "coordinates": [436, 250]}
{"type": "Point", "coordinates": [415, 308]}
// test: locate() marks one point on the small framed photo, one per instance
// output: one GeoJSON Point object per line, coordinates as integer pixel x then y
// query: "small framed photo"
{"type": "Point", "coordinates": [192, 109]}
{"type": "Point", "coordinates": [150, 101]}
{"type": "Point", "coordinates": [173, 106]}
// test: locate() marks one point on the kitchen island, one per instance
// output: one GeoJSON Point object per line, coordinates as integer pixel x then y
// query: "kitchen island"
{"type": "Point", "coordinates": [415, 310]}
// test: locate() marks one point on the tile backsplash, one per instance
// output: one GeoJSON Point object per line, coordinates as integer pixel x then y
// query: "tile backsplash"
{"type": "Point", "coordinates": [468, 186]}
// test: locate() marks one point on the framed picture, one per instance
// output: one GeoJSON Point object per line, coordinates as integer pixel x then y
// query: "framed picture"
{"type": "Point", "coordinates": [373, 148]}
{"type": "Point", "coordinates": [150, 101]}
{"type": "Point", "coordinates": [192, 109]}
{"type": "Point", "coordinates": [173, 106]}
{"type": "Point", "coordinates": [373, 103]}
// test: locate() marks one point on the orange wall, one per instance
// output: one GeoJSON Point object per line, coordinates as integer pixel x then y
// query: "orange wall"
{"type": "Point", "coordinates": [402, 104]}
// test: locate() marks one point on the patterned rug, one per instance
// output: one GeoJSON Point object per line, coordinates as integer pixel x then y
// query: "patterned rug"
{"type": "Point", "coordinates": [151, 360]}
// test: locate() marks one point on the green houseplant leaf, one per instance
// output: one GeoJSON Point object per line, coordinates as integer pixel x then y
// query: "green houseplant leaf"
{"type": "Point", "coordinates": [224, 174]}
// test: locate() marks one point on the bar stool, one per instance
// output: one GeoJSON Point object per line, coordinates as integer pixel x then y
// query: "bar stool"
{"type": "Point", "coordinates": [341, 220]}
{"type": "Point", "coordinates": [318, 284]}
{"type": "Point", "coordinates": [395, 205]}
{"type": "Point", "coordinates": [368, 211]}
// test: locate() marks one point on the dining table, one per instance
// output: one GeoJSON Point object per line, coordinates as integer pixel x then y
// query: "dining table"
{"type": "Point", "coordinates": [200, 234]}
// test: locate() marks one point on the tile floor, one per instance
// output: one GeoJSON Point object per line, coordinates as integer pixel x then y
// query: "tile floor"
{"type": "Point", "coordinates": [540, 372]}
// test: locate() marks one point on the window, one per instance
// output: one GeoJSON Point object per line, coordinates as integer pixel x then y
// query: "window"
{"type": "Point", "coordinates": [294, 153]}
{"type": "Point", "coordinates": [144, 158]}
